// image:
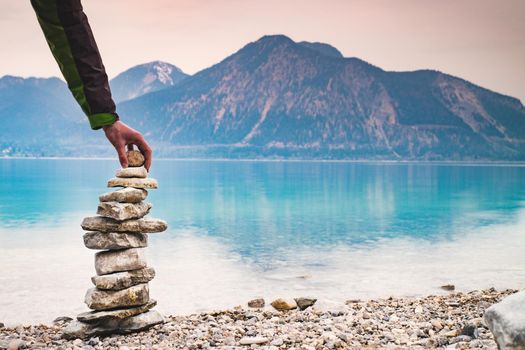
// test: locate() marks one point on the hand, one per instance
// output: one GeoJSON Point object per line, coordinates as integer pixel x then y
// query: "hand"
{"type": "Point", "coordinates": [120, 135]}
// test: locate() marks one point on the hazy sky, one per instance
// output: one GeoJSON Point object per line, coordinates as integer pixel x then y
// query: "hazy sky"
{"type": "Point", "coordinates": [480, 40]}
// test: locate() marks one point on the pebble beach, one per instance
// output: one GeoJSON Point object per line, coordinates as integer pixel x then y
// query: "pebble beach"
{"type": "Point", "coordinates": [451, 321]}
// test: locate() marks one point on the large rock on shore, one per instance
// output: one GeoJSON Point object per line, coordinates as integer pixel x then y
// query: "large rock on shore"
{"type": "Point", "coordinates": [97, 299]}
{"type": "Point", "coordinates": [119, 260]}
{"type": "Point", "coordinates": [506, 321]}
{"type": "Point", "coordinates": [132, 182]}
{"type": "Point", "coordinates": [121, 280]}
{"type": "Point", "coordinates": [124, 195]}
{"type": "Point", "coordinates": [115, 240]}
{"type": "Point", "coordinates": [123, 211]}
{"type": "Point", "coordinates": [118, 314]}
{"type": "Point", "coordinates": [144, 225]}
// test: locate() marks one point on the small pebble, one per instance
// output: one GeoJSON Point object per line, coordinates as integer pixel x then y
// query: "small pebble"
{"type": "Point", "coordinates": [284, 304]}
{"type": "Point", "coordinates": [304, 303]}
{"type": "Point", "coordinates": [449, 287]}
{"type": "Point", "coordinates": [62, 319]}
{"type": "Point", "coordinates": [470, 330]}
{"type": "Point", "coordinates": [16, 344]}
{"type": "Point", "coordinates": [277, 342]}
{"type": "Point", "coordinates": [256, 303]}
{"type": "Point", "coordinates": [253, 340]}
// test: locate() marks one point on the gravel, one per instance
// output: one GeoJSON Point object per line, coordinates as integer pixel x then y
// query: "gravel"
{"type": "Point", "coordinates": [452, 321]}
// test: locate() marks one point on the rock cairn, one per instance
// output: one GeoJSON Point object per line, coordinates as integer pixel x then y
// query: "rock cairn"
{"type": "Point", "coordinates": [120, 299]}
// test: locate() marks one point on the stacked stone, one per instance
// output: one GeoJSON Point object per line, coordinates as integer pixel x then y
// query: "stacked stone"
{"type": "Point", "coordinates": [120, 300]}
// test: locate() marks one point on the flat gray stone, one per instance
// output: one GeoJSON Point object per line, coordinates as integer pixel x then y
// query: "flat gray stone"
{"type": "Point", "coordinates": [115, 240]}
{"type": "Point", "coordinates": [81, 330]}
{"type": "Point", "coordinates": [119, 260]}
{"type": "Point", "coordinates": [119, 314]}
{"type": "Point", "coordinates": [97, 299]}
{"type": "Point", "coordinates": [125, 195]}
{"type": "Point", "coordinates": [506, 321]}
{"type": "Point", "coordinates": [132, 182]}
{"type": "Point", "coordinates": [139, 172]}
{"type": "Point", "coordinates": [144, 225]}
{"type": "Point", "coordinates": [121, 280]}
{"type": "Point", "coordinates": [123, 211]}
{"type": "Point", "coordinates": [140, 322]}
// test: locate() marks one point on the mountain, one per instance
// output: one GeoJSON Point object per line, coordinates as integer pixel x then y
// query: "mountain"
{"type": "Point", "coordinates": [275, 98]}
{"type": "Point", "coordinates": [323, 48]}
{"type": "Point", "coordinates": [278, 98]}
{"type": "Point", "coordinates": [40, 117]}
{"type": "Point", "coordinates": [144, 78]}
{"type": "Point", "coordinates": [37, 115]}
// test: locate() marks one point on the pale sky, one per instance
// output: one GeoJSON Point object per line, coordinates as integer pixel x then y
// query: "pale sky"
{"type": "Point", "coordinates": [482, 41]}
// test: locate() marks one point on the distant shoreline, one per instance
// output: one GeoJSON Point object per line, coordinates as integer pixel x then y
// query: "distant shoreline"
{"type": "Point", "coordinates": [278, 160]}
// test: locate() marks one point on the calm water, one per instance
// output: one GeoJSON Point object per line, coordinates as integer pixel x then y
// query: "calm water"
{"type": "Point", "coordinates": [244, 229]}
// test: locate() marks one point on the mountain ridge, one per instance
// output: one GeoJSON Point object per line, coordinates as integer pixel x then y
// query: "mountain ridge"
{"type": "Point", "coordinates": [277, 98]}
{"type": "Point", "coordinates": [361, 102]}
{"type": "Point", "coordinates": [144, 78]}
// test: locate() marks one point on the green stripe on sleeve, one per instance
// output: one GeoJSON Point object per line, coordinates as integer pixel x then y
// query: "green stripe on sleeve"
{"type": "Point", "coordinates": [56, 38]}
{"type": "Point", "coordinates": [101, 119]}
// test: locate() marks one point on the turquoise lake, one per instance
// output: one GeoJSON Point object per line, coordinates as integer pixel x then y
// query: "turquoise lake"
{"type": "Point", "coordinates": [243, 229]}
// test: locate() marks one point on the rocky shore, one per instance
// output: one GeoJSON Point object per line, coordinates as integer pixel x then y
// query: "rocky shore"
{"type": "Point", "coordinates": [452, 321]}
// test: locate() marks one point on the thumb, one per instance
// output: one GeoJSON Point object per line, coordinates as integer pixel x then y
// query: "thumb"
{"type": "Point", "coordinates": [122, 157]}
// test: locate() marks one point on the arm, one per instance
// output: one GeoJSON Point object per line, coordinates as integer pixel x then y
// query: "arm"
{"type": "Point", "coordinates": [71, 41]}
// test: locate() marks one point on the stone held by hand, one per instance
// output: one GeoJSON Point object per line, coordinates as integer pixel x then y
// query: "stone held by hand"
{"type": "Point", "coordinates": [135, 158]}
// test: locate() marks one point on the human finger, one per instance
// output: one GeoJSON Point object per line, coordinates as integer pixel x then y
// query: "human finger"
{"type": "Point", "coordinates": [146, 151]}
{"type": "Point", "coordinates": [122, 157]}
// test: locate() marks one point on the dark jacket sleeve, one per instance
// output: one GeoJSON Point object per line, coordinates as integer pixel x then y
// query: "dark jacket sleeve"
{"type": "Point", "coordinates": [71, 41]}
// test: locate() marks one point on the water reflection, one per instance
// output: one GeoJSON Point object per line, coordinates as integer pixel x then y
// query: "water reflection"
{"type": "Point", "coordinates": [257, 207]}
{"type": "Point", "coordinates": [49, 270]}
{"type": "Point", "coordinates": [244, 229]}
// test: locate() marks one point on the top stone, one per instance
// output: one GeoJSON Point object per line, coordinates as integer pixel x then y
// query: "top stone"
{"type": "Point", "coordinates": [135, 158]}
{"type": "Point", "coordinates": [140, 172]}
